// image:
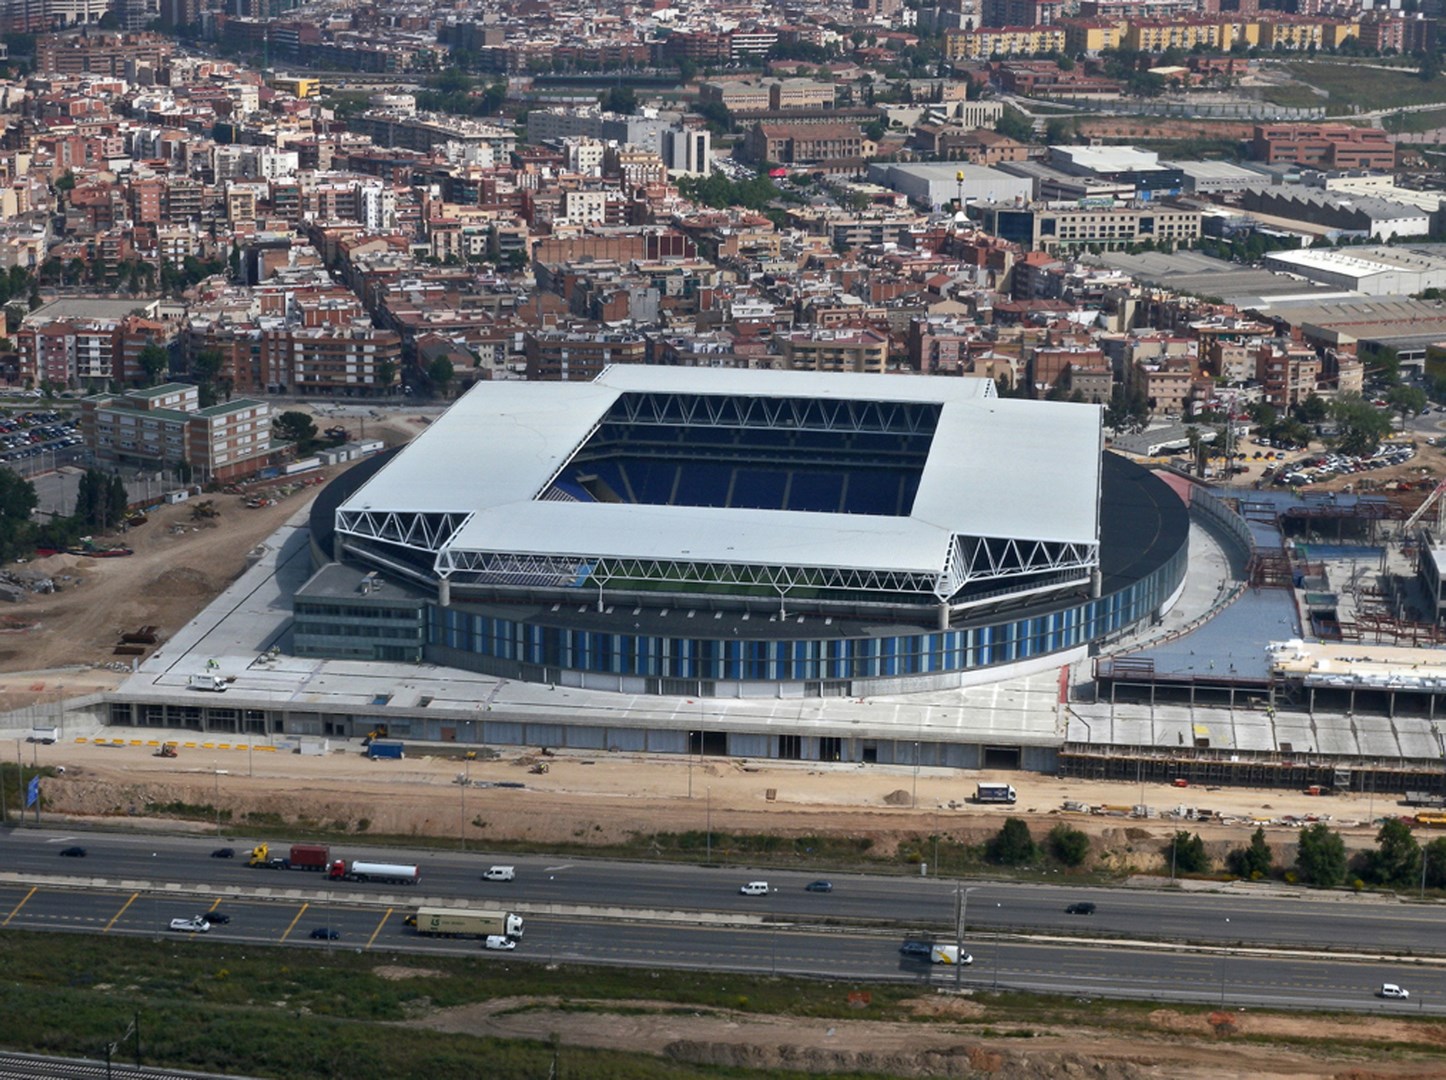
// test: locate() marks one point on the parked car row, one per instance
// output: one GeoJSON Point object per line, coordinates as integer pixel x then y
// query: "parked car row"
{"type": "Point", "coordinates": [32, 433]}
{"type": "Point", "coordinates": [1313, 470]}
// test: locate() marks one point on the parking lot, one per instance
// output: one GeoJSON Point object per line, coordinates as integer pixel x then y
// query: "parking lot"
{"type": "Point", "coordinates": [32, 433]}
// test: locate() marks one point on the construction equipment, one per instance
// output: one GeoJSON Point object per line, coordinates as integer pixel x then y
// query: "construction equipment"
{"type": "Point", "coordinates": [1414, 519]}
{"type": "Point", "coordinates": [378, 732]}
{"type": "Point", "coordinates": [168, 749]}
{"type": "Point", "coordinates": [538, 767]}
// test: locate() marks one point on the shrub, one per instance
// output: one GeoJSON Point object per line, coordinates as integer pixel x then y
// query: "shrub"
{"type": "Point", "coordinates": [1068, 845]}
{"type": "Point", "coordinates": [1012, 844]}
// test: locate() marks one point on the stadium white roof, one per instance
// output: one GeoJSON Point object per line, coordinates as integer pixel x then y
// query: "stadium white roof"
{"type": "Point", "coordinates": [1009, 488]}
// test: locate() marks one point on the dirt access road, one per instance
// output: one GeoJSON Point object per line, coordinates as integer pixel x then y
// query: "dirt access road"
{"type": "Point", "coordinates": [62, 645]}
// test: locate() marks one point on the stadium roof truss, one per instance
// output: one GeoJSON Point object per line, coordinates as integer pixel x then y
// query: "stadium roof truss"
{"type": "Point", "coordinates": [1024, 474]}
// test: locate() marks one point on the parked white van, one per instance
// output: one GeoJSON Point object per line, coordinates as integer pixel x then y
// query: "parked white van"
{"type": "Point", "coordinates": [500, 873]}
{"type": "Point", "coordinates": [755, 888]}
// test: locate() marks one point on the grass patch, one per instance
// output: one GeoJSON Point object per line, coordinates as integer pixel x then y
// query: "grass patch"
{"type": "Point", "coordinates": [1427, 120]}
{"type": "Point", "coordinates": [1348, 85]}
{"type": "Point", "coordinates": [288, 1013]}
{"type": "Point", "coordinates": [1292, 96]}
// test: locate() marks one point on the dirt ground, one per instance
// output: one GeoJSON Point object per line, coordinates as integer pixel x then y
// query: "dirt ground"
{"type": "Point", "coordinates": [62, 644]}
{"type": "Point", "coordinates": [957, 1037]}
{"type": "Point", "coordinates": [609, 798]}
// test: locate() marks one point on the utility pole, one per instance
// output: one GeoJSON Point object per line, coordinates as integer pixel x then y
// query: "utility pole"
{"type": "Point", "coordinates": [710, 826]}
{"type": "Point", "coordinates": [962, 908]}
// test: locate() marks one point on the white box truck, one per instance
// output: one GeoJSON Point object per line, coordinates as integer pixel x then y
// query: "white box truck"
{"type": "Point", "coordinates": [457, 922]}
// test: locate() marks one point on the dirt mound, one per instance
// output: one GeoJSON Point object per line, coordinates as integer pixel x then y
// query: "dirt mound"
{"type": "Point", "coordinates": [898, 798]}
{"type": "Point", "coordinates": [183, 581]}
{"type": "Point", "coordinates": [397, 972]}
{"type": "Point", "coordinates": [945, 1007]}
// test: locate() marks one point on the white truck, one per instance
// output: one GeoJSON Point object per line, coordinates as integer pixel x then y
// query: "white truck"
{"type": "Point", "coordinates": [213, 683]}
{"type": "Point", "coordinates": [458, 922]}
{"type": "Point", "coordinates": [196, 925]}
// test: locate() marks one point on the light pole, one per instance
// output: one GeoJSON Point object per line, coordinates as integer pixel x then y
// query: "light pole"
{"type": "Point", "coordinates": [914, 799]}
{"type": "Point", "coordinates": [690, 764]}
{"type": "Point", "coordinates": [710, 824]}
{"type": "Point", "coordinates": [216, 771]}
{"type": "Point", "coordinates": [462, 820]}
{"type": "Point", "coordinates": [1222, 968]}
{"type": "Point", "coordinates": [963, 907]}
{"type": "Point", "coordinates": [996, 950]}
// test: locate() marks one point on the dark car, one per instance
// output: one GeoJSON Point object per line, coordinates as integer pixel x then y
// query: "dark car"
{"type": "Point", "coordinates": [920, 949]}
{"type": "Point", "coordinates": [216, 918]}
{"type": "Point", "coordinates": [819, 886]}
{"type": "Point", "coordinates": [325, 933]}
{"type": "Point", "coordinates": [1084, 907]}
{"type": "Point", "coordinates": [224, 853]}
{"type": "Point", "coordinates": [73, 852]}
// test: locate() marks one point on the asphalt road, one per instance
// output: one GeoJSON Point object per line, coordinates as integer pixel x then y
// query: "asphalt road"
{"type": "Point", "coordinates": [1336, 921]}
{"type": "Point", "coordinates": [1226, 977]}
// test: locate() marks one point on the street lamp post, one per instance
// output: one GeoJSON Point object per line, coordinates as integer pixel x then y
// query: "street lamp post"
{"type": "Point", "coordinates": [690, 765]}
{"type": "Point", "coordinates": [914, 800]}
{"type": "Point", "coordinates": [466, 783]}
{"type": "Point", "coordinates": [710, 824]}
{"type": "Point", "coordinates": [1222, 971]}
{"type": "Point", "coordinates": [963, 906]}
{"type": "Point", "coordinates": [216, 776]}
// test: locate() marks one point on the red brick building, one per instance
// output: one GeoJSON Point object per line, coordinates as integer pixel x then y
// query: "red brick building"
{"type": "Point", "coordinates": [1326, 146]}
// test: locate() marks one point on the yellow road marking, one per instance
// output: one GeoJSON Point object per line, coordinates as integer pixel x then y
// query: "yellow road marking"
{"type": "Point", "coordinates": [119, 913]}
{"type": "Point", "coordinates": [296, 920]}
{"type": "Point", "coordinates": [378, 930]}
{"type": "Point", "coordinates": [23, 900]}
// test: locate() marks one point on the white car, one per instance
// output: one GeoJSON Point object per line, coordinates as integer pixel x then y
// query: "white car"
{"type": "Point", "coordinates": [197, 925]}
{"type": "Point", "coordinates": [1391, 990]}
{"type": "Point", "coordinates": [499, 941]}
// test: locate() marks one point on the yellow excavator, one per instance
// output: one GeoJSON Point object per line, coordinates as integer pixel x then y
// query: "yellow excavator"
{"type": "Point", "coordinates": [378, 732]}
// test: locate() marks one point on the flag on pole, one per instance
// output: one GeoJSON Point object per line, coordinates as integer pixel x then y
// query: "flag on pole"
{"type": "Point", "coordinates": [32, 793]}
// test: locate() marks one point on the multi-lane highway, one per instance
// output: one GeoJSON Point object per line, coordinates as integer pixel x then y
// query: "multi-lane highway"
{"type": "Point", "coordinates": [1254, 951]}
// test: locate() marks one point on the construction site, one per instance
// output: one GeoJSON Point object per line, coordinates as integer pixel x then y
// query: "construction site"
{"type": "Point", "coordinates": [1319, 669]}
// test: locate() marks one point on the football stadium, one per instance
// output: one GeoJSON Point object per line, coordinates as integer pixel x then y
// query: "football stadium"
{"type": "Point", "coordinates": [742, 534]}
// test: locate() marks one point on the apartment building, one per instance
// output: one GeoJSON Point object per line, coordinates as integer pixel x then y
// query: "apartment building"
{"type": "Point", "coordinates": [836, 350]}
{"type": "Point", "coordinates": [165, 427]}
{"type": "Point", "coordinates": [579, 356]}
{"type": "Point", "coordinates": [1003, 41]}
{"type": "Point", "coordinates": [1054, 226]}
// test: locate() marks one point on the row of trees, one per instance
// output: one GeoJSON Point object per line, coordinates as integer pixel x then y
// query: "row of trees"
{"type": "Point", "coordinates": [100, 506]}
{"type": "Point", "coordinates": [1397, 861]}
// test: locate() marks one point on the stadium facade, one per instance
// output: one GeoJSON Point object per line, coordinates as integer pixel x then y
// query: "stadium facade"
{"type": "Point", "coordinates": [742, 534]}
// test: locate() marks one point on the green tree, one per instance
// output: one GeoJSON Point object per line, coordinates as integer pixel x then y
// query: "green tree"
{"type": "Point", "coordinates": [66, 182]}
{"type": "Point", "coordinates": [1251, 862]}
{"type": "Point", "coordinates": [17, 503]}
{"type": "Point", "coordinates": [1397, 858]}
{"type": "Point", "coordinates": [1059, 130]}
{"type": "Point", "coordinates": [155, 362]}
{"type": "Point", "coordinates": [386, 375]}
{"type": "Point", "coordinates": [1068, 845]}
{"type": "Point", "coordinates": [1015, 125]}
{"type": "Point", "coordinates": [1312, 410]}
{"type": "Point", "coordinates": [1321, 856]}
{"type": "Point", "coordinates": [1361, 426]}
{"type": "Point", "coordinates": [1406, 400]}
{"type": "Point", "coordinates": [1012, 844]}
{"type": "Point", "coordinates": [294, 426]}
{"type": "Point", "coordinates": [1435, 855]}
{"type": "Point", "coordinates": [440, 372]}
{"type": "Point", "coordinates": [1430, 66]}
{"type": "Point", "coordinates": [620, 99]}
{"type": "Point", "coordinates": [1186, 854]}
